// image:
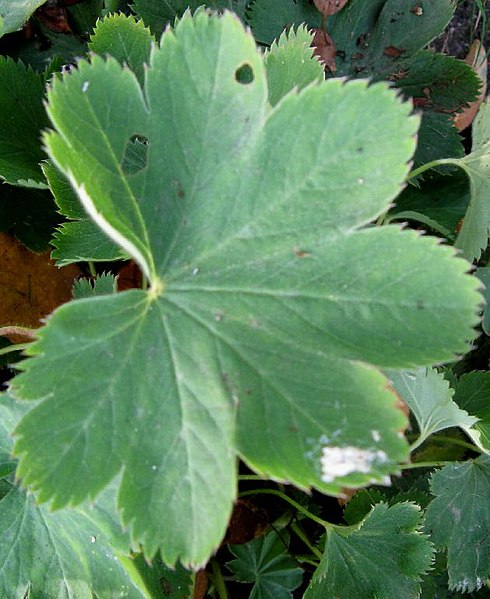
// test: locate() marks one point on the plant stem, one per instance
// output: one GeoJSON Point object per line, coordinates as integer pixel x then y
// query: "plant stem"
{"type": "Point", "coordinates": [16, 330]}
{"type": "Point", "coordinates": [91, 268]}
{"type": "Point", "coordinates": [295, 504]}
{"type": "Point", "coordinates": [426, 465]}
{"type": "Point", "coordinates": [300, 534]}
{"type": "Point", "coordinates": [428, 165]}
{"type": "Point", "coordinates": [445, 439]}
{"type": "Point", "coordinates": [250, 477]}
{"type": "Point", "coordinates": [218, 581]}
{"type": "Point", "coordinates": [11, 348]}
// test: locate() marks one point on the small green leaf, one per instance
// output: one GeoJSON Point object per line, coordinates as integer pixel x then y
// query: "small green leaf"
{"type": "Point", "coordinates": [269, 18]}
{"type": "Point", "coordinates": [23, 119]}
{"type": "Point", "coordinates": [290, 63]}
{"type": "Point", "coordinates": [385, 557]}
{"type": "Point", "coordinates": [429, 397]}
{"type": "Point", "coordinates": [125, 39]}
{"type": "Point", "coordinates": [13, 14]}
{"type": "Point", "coordinates": [104, 284]}
{"type": "Point", "coordinates": [458, 520]}
{"type": "Point", "coordinates": [484, 275]}
{"type": "Point", "coordinates": [472, 394]}
{"type": "Point", "coordinates": [266, 563]}
{"type": "Point", "coordinates": [474, 234]}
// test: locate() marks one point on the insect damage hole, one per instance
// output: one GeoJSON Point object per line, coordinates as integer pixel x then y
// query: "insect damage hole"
{"type": "Point", "coordinates": [135, 156]}
{"type": "Point", "coordinates": [244, 74]}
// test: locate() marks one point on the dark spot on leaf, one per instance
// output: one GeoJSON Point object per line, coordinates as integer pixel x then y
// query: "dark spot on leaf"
{"type": "Point", "coordinates": [417, 10]}
{"type": "Point", "coordinates": [293, 429]}
{"type": "Point", "coordinates": [166, 588]}
{"type": "Point", "coordinates": [420, 305]}
{"type": "Point", "coordinates": [360, 150]}
{"type": "Point", "coordinates": [361, 40]}
{"type": "Point", "coordinates": [393, 52]}
{"type": "Point", "coordinates": [301, 253]}
{"type": "Point", "coordinates": [341, 54]}
{"type": "Point", "coordinates": [244, 74]}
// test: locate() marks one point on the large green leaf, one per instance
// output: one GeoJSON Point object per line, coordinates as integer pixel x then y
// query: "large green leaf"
{"type": "Point", "coordinates": [475, 232]}
{"type": "Point", "coordinates": [270, 300]}
{"type": "Point", "coordinates": [22, 120]}
{"type": "Point", "coordinates": [266, 563]}
{"type": "Point", "coordinates": [459, 521]}
{"type": "Point", "coordinates": [14, 13]}
{"type": "Point", "coordinates": [64, 554]}
{"type": "Point", "coordinates": [385, 557]}
{"type": "Point", "coordinates": [429, 396]}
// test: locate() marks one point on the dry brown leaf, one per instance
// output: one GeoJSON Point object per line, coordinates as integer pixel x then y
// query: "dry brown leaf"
{"type": "Point", "coordinates": [324, 49]}
{"type": "Point", "coordinates": [477, 59]}
{"type": "Point", "coordinates": [31, 286]}
{"type": "Point", "coordinates": [329, 7]}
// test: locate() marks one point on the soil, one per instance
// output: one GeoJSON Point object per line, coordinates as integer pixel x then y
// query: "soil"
{"type": "Point", "coordinates": [466, 25]}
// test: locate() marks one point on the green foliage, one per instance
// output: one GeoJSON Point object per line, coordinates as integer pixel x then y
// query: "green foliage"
{"type": "Point", "coordinates": [14, 13]}
{"type": "Point", "coordinates": [21, 97]}
{"type": "Point", "coordinates": [483, 274]}
{"type": "Point", "coordinates": [126, 40]}
{"type": "Point", "coordinates": [385, 556]}
{"type": "Point", "coordinates": [290, 64]}
{"type": "Point", "coordinates": [266, 563]}
{"type": "Point", "coordinates": [269, 18]}
{"type": "Point", "coordinates": [472, 393]}
{"type": "Point", "coordinates": [474, 234]}
{"type": "Point", "coordinates": [104, 284]}
{"type": "Point", "coordinates": [458, 520]}
{"type": "Point", "coordinates": [429, 397]}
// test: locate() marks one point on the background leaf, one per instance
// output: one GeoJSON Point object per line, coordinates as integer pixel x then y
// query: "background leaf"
{"type": "Point", "coordinates": [290, 63]}
{"type": "Point", "coordinates": [269, 18]}
{"type": "Point", "coordinates": [21, 98]}
{"type": "Point", "coordinates": [472, 393]}
{"type": "Point", "coordinates": [104, 284]}
{"type": "Point", "coordinates": [14, 13]}
{"type": "Point", "coordinates": [474, 234]}
{"type": "Point", "coordinates": [458, 520]}
{"type": "Point", "coordinates": [266, 563]}
{"type": "Point", "coordinates": [429, 397]}
{"type": "Point", "coordinates": [484, 275]}
{"type": "Point", "coordinates": [385, 557]}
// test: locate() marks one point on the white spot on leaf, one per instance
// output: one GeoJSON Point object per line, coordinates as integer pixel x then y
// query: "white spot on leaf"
{"type": "Point", "coordinates": [85, 86]}
{"type": "Point", "coordinates": [341, 461]}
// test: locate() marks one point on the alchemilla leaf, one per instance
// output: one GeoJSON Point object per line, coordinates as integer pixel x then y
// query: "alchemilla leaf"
{"type": "Point", "coordinates": [14, 13]}
{"type": "Point", "coordinates": [271, 299]}
{"type": "Point", "coordinates": [458, 520]}
{"type": "Point", "coordinates": [385, 557]}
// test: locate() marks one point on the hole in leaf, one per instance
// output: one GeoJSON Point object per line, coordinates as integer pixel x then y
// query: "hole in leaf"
{"type": "Point", "coordinates": [135, 156]}
{"type": "Point", "coordinates": [244, 74]}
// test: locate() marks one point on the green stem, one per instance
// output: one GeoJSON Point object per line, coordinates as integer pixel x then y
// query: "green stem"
{"type": "Point", "coordinates": [218, 581]}
{"type": "Point", "coordinates": [300, 534]}
{"type": "Point", "coordinates": [445, 439]}
{"type": "Point", "coordinates": [295, 504]}
{"type": "Point", "coordinates": [250, 477]}
{"type": "Point", "coordinates": [433, 163]}
{"type": "Point", "coordinates": [426, 465]}
{"type": "Point", "coordinates": [91, 269]}
{"type": "Point", "coordinates": [16, 330]}
{"type": "Point", "coordinates": [11, 348]}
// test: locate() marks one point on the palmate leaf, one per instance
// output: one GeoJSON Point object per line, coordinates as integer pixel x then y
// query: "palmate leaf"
{"type": "Point", "coordinates": [64, 554]}
{"type": "Point", "coordinates": [474, 234]}
{"type": "Point", "coordinates": [385, 557]}
{"type": "Point", "coordinates": [429, 396]}
{"type": "Point", "coordinates": [459, 521]}
{"type": "Point", "coordinates": [269, 305]}
{"type": "Point", "coordinates": [266, 563]}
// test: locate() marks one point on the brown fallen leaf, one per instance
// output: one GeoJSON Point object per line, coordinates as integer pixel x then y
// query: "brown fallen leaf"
{"type": "Point", "coordinates": [329, 7]}
{"type": "Point", "coordinates": [324, 49]}
{"type": "Point", "coordinates": [247, 522]}
{"type": "Point", "coordinates": [31, 286]}
{"type": "Point", "coordinates": [477, 59]}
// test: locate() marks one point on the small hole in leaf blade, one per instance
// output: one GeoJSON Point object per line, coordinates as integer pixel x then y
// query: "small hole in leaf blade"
{"type": "Point", "coordinates": [244, 74]}
{"type": "Point", "coordinates": [135, 155]}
